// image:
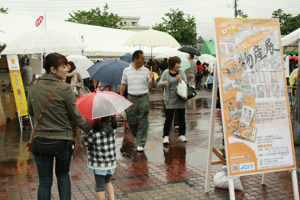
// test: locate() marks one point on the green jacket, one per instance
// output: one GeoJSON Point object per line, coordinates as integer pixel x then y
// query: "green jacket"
{"type": "Point", "coordinates": [60, 111]}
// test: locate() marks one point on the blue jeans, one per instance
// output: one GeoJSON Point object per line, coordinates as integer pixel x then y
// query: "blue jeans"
{"type": "Point", "coordinates": [45, 169]}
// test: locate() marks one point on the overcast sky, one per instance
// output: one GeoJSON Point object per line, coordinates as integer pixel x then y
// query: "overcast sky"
{"type": "Point", "coordinates": [151, 11]}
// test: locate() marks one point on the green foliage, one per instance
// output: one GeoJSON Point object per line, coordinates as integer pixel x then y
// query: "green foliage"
{"type": "Point", "coordinates": [244, 16]}
{"type": "Point", "coordinates": [200, 39]}
{"type": "Point", "coordinates": [180, 25]}
{"type": "Point", "coordinates": [288, 23]}
{"type": "Point", "coordinates": [95, 17]}
{"type": "Point", "coordinates": [3, 10]}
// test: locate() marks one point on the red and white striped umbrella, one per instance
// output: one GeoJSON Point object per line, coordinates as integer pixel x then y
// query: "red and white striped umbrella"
{"type": "Point", "coordinates": [101, 104]}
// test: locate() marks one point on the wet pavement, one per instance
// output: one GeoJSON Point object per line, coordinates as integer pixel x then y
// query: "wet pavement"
{"type": "Point", "coordinates": [174, 171]}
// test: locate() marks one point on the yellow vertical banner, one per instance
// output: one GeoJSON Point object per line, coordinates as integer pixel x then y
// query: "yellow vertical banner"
{"type": "Point", "coordinates": [17, 84]}
{"type": "Point", "coordinates": [253, 92]}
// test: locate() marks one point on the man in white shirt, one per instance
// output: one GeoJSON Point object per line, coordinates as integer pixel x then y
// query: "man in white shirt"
{"type": "Point", "coordinates": [137, 77]}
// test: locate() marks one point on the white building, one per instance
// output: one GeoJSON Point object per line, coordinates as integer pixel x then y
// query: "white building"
{"type": "Point", "coordinates": [131, 24]}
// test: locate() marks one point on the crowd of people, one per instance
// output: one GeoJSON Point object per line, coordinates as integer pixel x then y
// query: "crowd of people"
{"type": "Point", "coordinates": [52, 103]}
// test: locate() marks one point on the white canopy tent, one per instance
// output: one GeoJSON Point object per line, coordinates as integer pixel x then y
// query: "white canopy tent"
{"type": "Point", "coordinates": [291, 42]}
{"type": "Point", "coordinates": [101, 41]}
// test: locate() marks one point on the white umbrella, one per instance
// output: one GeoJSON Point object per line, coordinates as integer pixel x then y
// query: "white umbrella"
{"type": "Point", "coordinates": [43, 41]}
{"type": "Point", "coordinates": [152, 38]}
{"type": "Point", "coordinates": [82, 63]}
{"type": "Point", "coordinates": [210, 60]}
{"type": "Point", "coordinates": [207, 58]}
{"type": "Point", "coordinates": [185, 64]}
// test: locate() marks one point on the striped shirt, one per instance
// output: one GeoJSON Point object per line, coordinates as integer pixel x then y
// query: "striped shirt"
{"type": "Point", "coordinates": [137, 80]}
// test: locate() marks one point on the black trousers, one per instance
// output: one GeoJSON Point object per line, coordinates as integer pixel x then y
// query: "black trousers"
{"type": "Point", "coordinates": [169, 113]}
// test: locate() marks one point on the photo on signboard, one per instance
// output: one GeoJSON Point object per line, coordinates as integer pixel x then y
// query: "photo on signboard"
{"type": "Point", "coordinates": [246, 80]}
{"type": "Point", "coordinates": [268, 90]}
{"type": "Point", "coordinates": [274, 77]}
{"type": "Point", "coordinates": [260, 89]}
{"type": "Point", "coordinates": [275, 90]}
{"type": "Point", "coordinates": [253, 91]}
{"type": "Point", "coordinates": [223, 49]}
{"type": "Point", "coordinates": [261, 77]}
{"type": "Point", "coordinates": [230, 47]}
{"type": "Point", "coordinates": [246, 133]}
{"type": "Point", "coordinates": [280, 76]}
{"type": "Point", "coordinates": [267, 77]}
{"type": "Point", "coordinates": [246, 89]}
{"type": "Point", "coordinates": [253, 78]}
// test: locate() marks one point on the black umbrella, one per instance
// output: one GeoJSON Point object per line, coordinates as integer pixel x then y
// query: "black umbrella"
{"type": "Point", "coordinates": [190, 50]}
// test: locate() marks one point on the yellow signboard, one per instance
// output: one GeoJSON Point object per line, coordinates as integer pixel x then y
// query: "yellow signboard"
{"type": "Point", "coordinates": [253, 91]}
{"type": "Point", "coordinates": [17, 84]}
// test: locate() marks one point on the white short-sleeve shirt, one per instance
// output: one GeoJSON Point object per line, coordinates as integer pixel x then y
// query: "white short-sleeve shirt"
{"type": "Point", "coordinates": [137, 80]}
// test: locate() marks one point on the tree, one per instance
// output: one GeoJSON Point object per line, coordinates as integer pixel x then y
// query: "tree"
{"type": "Point", "coordinates": [288, 23]}
{"type": "Point", "coordinates": [200, 39]}
{"type": "Point", "coordinates": [3, 10]}
{"type": "Point", "coordinates": [180, 25]}
{"type": "Point", "coordinates": [95, 17]}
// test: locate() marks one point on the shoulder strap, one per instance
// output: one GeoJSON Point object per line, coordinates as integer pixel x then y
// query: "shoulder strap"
{"type": "Point", "coordinates": [40, 117]}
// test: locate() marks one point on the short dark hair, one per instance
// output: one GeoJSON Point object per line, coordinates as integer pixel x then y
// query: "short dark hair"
{"type": "Point", "coordinates": [109, 119]}
{"type": "Point", "coordinates": [172, 61]}
{"type": "Point", "coordinates": [136, 54]}
{"type": "Point", "coordinates": [191, 56]}
{"type": "Point", "coordinates": [198, 62]}
{"type": "Point", "coordinates": [165, 59]}
{"type": "Point", "coordinates": [54, 60]}
{"type": "Point", "coordinates": [72, 64]}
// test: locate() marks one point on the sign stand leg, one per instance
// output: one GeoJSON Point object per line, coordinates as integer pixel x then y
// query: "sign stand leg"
{"type": "Point", "coordinates": [263, 179]}
{"type": "Point", "coordinates": [295, 184]}
{"type": "Point", "coordinates": [20, 122]}
{"type": "Point", "coordinates": [211, 133]}
{"type": "Point", "coordinates": [231, 188]}
{"type": "Point", "coordinates": [30, 122]}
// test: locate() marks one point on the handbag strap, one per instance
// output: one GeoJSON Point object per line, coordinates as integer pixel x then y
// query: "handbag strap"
{"type": "Point", "coordinates": [40, 117]}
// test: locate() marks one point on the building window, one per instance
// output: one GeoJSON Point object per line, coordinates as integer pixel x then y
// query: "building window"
{"type": "Point", "coordinates": [121, 23]}
{"type": "Point", "coordinates": [134, 23]}
{"type": "Point", "coordinates": [124, 23]}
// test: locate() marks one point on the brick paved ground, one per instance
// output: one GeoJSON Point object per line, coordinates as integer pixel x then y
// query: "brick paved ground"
{"type": "Point", "coordinates": [176, 171]}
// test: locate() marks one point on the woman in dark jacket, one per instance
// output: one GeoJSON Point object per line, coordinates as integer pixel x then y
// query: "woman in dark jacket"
{"type": "Point", "coordinates": [54, 124]}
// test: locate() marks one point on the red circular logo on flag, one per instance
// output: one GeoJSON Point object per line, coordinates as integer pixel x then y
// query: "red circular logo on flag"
{"type": "Point", "coordinates": [39, 21]}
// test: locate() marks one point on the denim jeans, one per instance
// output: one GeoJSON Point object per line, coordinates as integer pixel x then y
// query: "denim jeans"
{"type": "Point", "coordinates": [45, 169]}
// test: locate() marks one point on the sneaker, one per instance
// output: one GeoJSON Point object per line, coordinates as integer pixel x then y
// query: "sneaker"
{"type": "Point", "coordinates": [166, 140]}
{"type": "Point", "coordinates": [182, 138]}
{"type": "Point", "coordinates": [176, 126]}
{"type": "Point", "coordinates": [140, 148]}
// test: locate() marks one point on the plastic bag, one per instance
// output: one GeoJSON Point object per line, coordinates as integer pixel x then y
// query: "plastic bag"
{"type": "Point", "coordinates": [221, 180]}
{"type": "Point", "coordinates": [182, 89]}
{"type": "Point", "coordinates": [75, 90]}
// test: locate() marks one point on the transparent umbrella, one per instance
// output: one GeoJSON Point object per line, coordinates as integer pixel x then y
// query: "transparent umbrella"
{"type": "Point", "coordinates": [82, 63]}
{"type": "Point", "coordinates": [101, 104]}
{"type": "Point", "coordinates": [43, 41]}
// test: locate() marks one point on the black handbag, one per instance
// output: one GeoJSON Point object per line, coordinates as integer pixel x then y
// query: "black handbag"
{"type": "Point", "coordinates": [50, 147]}
{"type": "Point", "coordinates": [191, 93]}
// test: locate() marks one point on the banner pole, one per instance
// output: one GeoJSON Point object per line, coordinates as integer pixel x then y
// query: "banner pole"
{"type": "Point", "coordinates": [212, 131]}
{"type": "Point", "coordinates": [231, 188]}
{"type": "Point", "coordinates": [295, 184]}
{"type": "Point", "coordinates": [263, 179]}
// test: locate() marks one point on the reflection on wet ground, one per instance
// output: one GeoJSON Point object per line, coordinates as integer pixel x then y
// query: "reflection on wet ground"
{"type": "Point", "coordinates": [159, 168]}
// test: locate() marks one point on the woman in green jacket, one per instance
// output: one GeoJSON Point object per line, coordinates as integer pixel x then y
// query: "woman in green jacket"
{"type": "Point", "coordinates": [55, 124]}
